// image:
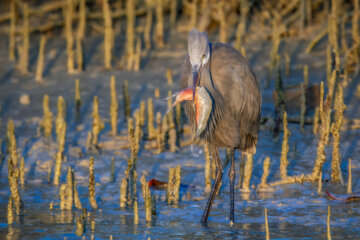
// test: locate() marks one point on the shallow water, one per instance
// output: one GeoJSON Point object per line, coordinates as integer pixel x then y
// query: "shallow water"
{"type": "Point", "coordinates": [294, 211]}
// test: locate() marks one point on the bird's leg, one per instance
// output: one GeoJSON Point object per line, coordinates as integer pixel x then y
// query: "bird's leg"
{"type": "Point", "coordinates": [232, 180]}
{"type": "Point", "coordinates": [219, 173]}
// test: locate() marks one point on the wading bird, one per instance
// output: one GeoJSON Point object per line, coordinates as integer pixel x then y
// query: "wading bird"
{"type": "Point", "coordinates": [223, 103]}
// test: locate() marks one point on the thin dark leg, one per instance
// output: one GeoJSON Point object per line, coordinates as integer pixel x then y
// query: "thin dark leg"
{"type": "Point", "coordinates": [232, 180]}
{"type": "Point", "coordinates": [219, 172]}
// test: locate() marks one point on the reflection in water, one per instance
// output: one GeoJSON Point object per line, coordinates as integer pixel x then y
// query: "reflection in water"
{"type": "Point", "coordinates": [13, 233]}
{"type": "Point", "coordinates": [66, 217]}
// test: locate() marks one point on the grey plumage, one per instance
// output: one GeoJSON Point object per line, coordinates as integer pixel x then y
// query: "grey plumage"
{"type": "Point", "coordinates": [234, 121]}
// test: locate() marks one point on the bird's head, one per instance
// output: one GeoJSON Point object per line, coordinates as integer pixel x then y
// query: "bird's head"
{"type": "Point", "coordinates": [199, 53]}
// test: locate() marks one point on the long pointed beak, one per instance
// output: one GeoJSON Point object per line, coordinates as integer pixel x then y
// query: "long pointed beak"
{"type": "Point", "coordinates": [196, 78]}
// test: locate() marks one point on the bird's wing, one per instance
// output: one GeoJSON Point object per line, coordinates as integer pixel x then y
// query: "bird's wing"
{"type": "Point", "coordinates": [233, 77]}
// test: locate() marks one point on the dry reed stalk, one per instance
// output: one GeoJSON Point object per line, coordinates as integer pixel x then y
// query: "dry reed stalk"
{"type": "Point", "coordinates": [62, 194]}
{"type": "Point", "coordinates": [92, 184]}
{"type": "Point", "coordinates": [46, 123]}
{"type": "Point", "coordinates": [172, 137]}
{"type": "Point", "coordinates": [57, 170]}
{"type": "Point", "coordinates": [335, 131]}
{"type": "Point", "coordinates": [306, 75]}
{"type": "Point", "coordinates": [79, 54]}
{"type": "Point", "coordinates": [355, 23]}
{"type": "Point", "coordinates": [170, 186]}
{"type": "Point", "coordinates": [142, 113]}
{"type": "Point", "coordinates": [165, 133]}
{"type": "Point", "coordinates": [328, 64]}
{"type": "Point", "coordinates": [316, 121]}
{"type": "Point", "coordinates": [241, 28]}
{"type": "Point", "coordinates": [69, 35]}
{"type": "Point", "coordinates": [324, 116]}
{"type": "Point", "coordinates": [173, 10]}
{"type": "Point", "coordinates": [137, 133]}
{"type": "Point", "coordinates": [137, 55]}
{"type": "Point", "coordinates": [157, 92]}
{"type": "Point", "coordinates": [159, 138]}
{"type": "Point", "coordinates": [349, 186]}
{"type": "Point", "coordinates": [81, 35]}
{"type": "Point", "coordinates": [10, 214]}
{"type": "Point", "coordinates": [177, 182]}
{"type": "Point", "coordinates": [284, 148]}
{"type": "Point", "coordinates": [169, 76]}
{"type": "Point", "coordinates": [267, 232]}
{"type": "Point", "coordinates": [24, 60]}
{"type": "Point", "coordinates": [223, 22]}
{"type": "Point", "coordinates": [159, 27]}
{"type": "Point", "coordinates": [130, 34]}
{"type": "Point", "coordinates": [275, 47]}
{"type": "Point", "coordinates": [319, 190]}
{"type": "Point", "coordinates": [150, 115]}
{"type": "Point", "coordinates": [12, 30]}
{"type": "Point", "coordinates": [239, 36]}
{"type": "Point", "coordinates": [112, 170]}
{"type": "Point", "coordinates": [60, 118]}
{"type": "Point", "coordinates": [82, 20]}
{"type": "Point", "coordinates": [40, 62]}
{"type": "Point", "coordinates": [97, 124]}
{"type": "Point", "coordinates": [77, 201]}
{"type": "Point", "coordinates": [178, 120]}
{"type": "Point", "coordinates": [136, 213]}
{"type": "Point", "coordinates": [344, 45]}
{"type": "Point", "coordinates": [148, 23]}
{"type": "Point", "coordinates": [280, 103]}
{"type": "Point", "coordinates": [13, 178]}
{"type": "Point", "coordinates": [130, 173]}
{"type": "Point", "coordinates": [108, 34]}
{"type": "Point", "coordinates": [113, 106]}
{"type": "Point", "coordinates": [77, 97]}
{"type": "Point", "coordinates": [207, 168]}
{"type": "Point", "coordinates": [69, 192]}
{"type": "Point", "coordinates": [328, 224]}
{"type": "Point", "coordinates": [303, 19]}
{"type": "Point", "coordinates": [193, 14]}
{"type": "Point", "coordinates": [81, 223]}
{"type": "Point", "coordinates": [12, 145]}
{"type": "Point", "coordinates": [147, 199]}
{"type": "Point", "coordinates": [333, 24]}
{"type": "Point", "coordinates": [316, 40]}
{"type": "Point", "coordinates": [266, 166]}
{"type": "Point", "coordinates": [247, 173]}
{"type": "Point", "coordinates": [22, 171]}
{"type": "Point", "coordinates": [293, 179]}
{"type": "Point", "coordinates": [123, 192]}
{"type": "Point", "coordinates": [302, 106]}
{"type": "Point", "coordinates": [127, 101]}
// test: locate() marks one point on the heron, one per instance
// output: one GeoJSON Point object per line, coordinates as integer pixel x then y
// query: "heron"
{"type": "Point", "coordinates": [222, 102]}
